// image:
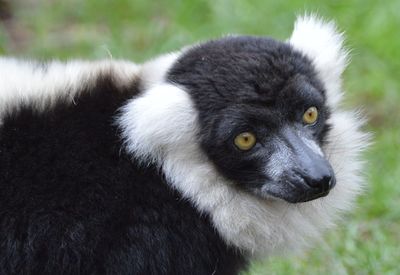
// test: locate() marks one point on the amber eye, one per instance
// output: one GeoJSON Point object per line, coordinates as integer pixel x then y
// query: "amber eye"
{"type": "Point", "coordinates": [311, 115]}
{"type": "Point", "coordinates": [245, 141]}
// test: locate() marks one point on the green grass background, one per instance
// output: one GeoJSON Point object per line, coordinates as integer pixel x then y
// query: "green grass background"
{"type": "Point", "coordinates": [368, 240]}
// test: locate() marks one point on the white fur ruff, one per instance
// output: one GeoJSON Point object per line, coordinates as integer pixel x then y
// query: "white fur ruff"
{"type": "Point", "coordinates": [161, 125]}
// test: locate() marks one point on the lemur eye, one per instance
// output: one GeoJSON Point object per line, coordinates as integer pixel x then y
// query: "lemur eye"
{"type": "Point", "coordinates": [311, 115]}
{"type": "Point", "coordinates": [245, 141]}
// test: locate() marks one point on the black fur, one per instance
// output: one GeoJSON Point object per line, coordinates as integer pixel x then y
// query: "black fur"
{"type": "Point", "coordinates": [252, 84]}
{"type": "Point", "coordinates": [72, 202]}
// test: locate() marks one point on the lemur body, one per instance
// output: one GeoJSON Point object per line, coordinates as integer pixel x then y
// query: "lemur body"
{"type": "Point", "coordinates": [114, 168]}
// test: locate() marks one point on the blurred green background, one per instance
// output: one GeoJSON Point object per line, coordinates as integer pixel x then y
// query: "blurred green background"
{"type": "Point", "coordinates": [368, 239]}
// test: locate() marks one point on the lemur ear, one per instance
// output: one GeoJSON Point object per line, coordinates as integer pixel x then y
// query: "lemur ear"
{"type": "Point", "coordinates": [159, 121]}
{"type": "Point", "coordinates": [323, 44]}
{"type": "Point", "coordinates": [153, 72]}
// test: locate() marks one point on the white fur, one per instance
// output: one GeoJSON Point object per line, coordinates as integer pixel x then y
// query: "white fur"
{"type": "Point", "coordinates": [27, 82]}
{"type": "Point", "coordinates": [320, 41]}
{"type": "Point", "coordinates": [154, 71]}
{"type": "Point", "coordinates": [161, 126]}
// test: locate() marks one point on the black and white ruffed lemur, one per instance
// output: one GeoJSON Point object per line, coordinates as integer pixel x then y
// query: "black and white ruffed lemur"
{"type": "Point", "coordinates": [191, 163]}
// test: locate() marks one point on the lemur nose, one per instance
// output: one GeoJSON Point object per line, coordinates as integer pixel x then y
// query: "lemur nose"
{"type": "Point", "coordinates": [325, 182]}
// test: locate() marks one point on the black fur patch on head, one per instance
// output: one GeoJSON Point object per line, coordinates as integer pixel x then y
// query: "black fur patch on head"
{"type": "Point", "coordinates": [261, 77]}
{"type": "Point", "coordinates": [253, 84]}
{"type": "Point", "coordinates": [243, 70]}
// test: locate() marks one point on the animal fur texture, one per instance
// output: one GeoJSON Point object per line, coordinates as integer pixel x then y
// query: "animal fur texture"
{"type": "Point", "coordinates": [110, 167]}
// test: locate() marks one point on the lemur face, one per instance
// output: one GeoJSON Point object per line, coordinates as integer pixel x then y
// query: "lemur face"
{"type": "Point", "coordinates": [262, 115]}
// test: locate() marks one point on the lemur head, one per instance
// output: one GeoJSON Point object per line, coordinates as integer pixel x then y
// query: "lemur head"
{"type": "Point", "coordinates": [262, 115]}
{"type": "Point", "coordinates": [250, 130]}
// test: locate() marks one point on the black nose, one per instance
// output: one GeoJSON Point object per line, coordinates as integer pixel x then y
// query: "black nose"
{"type": "Point", "coordinates": [323, 183]}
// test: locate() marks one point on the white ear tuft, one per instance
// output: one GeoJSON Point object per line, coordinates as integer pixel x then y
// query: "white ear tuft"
{"type": "Point", "coordinates": [153, 72]}
{"type": "Point", "coordinates": [323, 44]}
{"type": "Point", "coordinates": [160, 120]}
